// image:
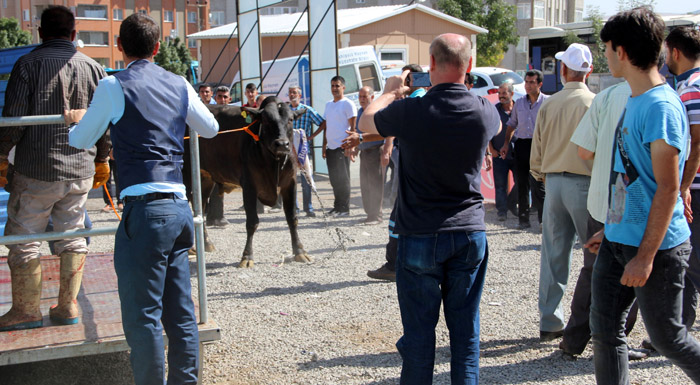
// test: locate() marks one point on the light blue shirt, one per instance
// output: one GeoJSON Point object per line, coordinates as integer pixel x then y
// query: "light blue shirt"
{"type": "Point", "coordinates": [653, 115]}
{"type": "Point", "coordinates": [524, 116]}
{"type": "Point", "coordinates": [107, 106]}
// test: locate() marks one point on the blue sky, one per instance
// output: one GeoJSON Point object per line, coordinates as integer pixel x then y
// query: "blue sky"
{"type": "Point", "coordinates": [609, 7]}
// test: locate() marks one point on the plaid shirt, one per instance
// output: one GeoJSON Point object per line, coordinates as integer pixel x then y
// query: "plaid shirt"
{"type": "Point", "coordinates": [306, 120]}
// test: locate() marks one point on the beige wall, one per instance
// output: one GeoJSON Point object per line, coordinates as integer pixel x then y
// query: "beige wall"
{"type": "Point", "coordinates": [413, 29]}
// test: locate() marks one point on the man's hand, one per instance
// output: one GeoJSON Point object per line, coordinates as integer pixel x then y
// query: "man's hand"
{"type": "Point", "coordinates": [396, 85]}
{"type": "Point", "coordinates": [386, 155]}
{"type": "Point", "coordinates": [351, 153]}
{"type": "Point", "coordinates": [353, 140]}
{"type": "Point", "coordinates": [488, 162]}
{"type": "Point", "coordinates": [4, 165]}
{"type": "Point", "coordinates": [504, 151]}
{"type": "Point", "coordinates": [687, 211]}
{"type": "Point", "coordinates": [593, 244]}
{"type": "Point", "coordinates": [73, 116]}
{"type": "Point", "coordinates": [323, 152]}
{"type": "Point", "coordinates": [637, 271]}
{"type": "Point", "coordinates": [101, 174]}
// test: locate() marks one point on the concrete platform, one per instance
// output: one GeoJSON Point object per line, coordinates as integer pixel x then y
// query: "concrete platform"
{"type": "Point", "coordinates": [99, 330]}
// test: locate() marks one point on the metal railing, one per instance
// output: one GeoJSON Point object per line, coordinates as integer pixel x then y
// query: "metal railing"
{"type": "Point", "coordinates": [196, 197]}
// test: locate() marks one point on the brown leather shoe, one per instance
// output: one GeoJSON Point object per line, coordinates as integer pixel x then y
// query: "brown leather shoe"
{"type": "Point", "coordinates": [382, 273]}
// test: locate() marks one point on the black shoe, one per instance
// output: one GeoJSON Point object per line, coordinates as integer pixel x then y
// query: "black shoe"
{"type": "Point", "coordinates": [646, 344]}
{"type": "Point", "coordinates": [339, 214]}
{"type": "Point", "coordinates": [501, 217]}
{"type": "Point", "coordinates": [221, 222]}
{"type": "Point", "coordinates": [637, 354]}
{"type": "Point", "coordinates": [382, 273]}
{"type": "Point", "coordinates": [550, 336]}
{"type": "Point", "coordinates": [332, 211]}
{"type": "Point", "coordinates": [514, 210]}
{"type": "Point", "coordinates": [524, 225]}
{"type": "Point", "coordinates": [311, 214]}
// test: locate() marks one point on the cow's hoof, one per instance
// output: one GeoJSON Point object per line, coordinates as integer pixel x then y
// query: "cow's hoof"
{"type": "Point", "coordinates": [304, 258]}
{"type": "Point", "coordinates": [209, 247]}
{"type": "Point", "coordinates": [246, 263]}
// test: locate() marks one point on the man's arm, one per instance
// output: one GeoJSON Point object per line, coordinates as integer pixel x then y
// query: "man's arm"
{"type": "Point", "coordinates": [393, 90]}
{"type": "Point", "coordinates": [321, 128]}
{"type": "Point", "coordinates": [198, 115]}
{"type": "Point", "coordinates": [387, 149]}
{"type": "Point", "coordinates": [351, 122]}
{"type": "Point", "coordinates": [537, 148]}
{"type": "Point", "coordinates": [17, 97]}
{"type": "Point", "coordinates": [107, 104]}
{"type": "Point", "coordinates": [506, 145]}
{"type": "Point", "coordinates": [353, 139]}
{"type": "Point", "coordinates": [691, 169]}
{"type": "Point", "coordinates": [664, 160]}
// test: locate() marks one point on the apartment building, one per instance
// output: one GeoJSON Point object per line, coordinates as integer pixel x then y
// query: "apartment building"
{"type": "Point", "coordinates": [98, 21]}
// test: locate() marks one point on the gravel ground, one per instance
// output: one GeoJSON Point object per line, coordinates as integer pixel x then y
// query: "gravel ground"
{"type": "Point", "coordinates": [327, 323]}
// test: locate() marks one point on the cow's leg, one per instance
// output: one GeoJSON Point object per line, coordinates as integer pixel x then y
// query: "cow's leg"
{"type": "Point", "coordinates": [290, 213]}
{"type": "Point", "coordinates": [250, 199]}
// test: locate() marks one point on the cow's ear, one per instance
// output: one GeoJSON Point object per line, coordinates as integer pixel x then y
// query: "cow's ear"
{"type": "Point", "coordinates": [252, 111]}
{"type": "Point", "coordinates": [298, 113]}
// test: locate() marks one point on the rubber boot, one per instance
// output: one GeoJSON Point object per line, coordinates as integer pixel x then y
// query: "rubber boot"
{"type": "Point", "coordinates": [66, 312]}
{"type": "Point", "coordinates": [26, 298]}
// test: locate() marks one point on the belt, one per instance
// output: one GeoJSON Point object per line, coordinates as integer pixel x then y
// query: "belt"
{"type": "Point", "coordinates": [149, 197]}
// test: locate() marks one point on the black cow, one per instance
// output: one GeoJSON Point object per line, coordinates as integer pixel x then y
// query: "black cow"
{"type": "Point", "coordinates": [263, 167]}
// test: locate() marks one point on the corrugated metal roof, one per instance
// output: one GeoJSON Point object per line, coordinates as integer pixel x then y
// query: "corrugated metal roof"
{"type": "Point", "coordinates": [348, 19]}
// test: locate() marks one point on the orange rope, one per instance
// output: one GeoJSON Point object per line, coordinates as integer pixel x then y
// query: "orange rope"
{"type": "Point", "coordinates": [111, 202]}
{"type": "Point", "coordinates": [246, 129]}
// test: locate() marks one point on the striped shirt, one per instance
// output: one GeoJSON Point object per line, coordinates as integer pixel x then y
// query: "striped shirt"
{"type": "Point", "coordinates": [52, 78]}
{"type": "Point", "coordinates": [304, 121]}
{"type": "Point", "coordinates": [689, 92]}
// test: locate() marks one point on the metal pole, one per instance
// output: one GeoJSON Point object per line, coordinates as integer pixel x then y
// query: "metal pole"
{"type": "Point", "coordinates": [198, 228]}
{"type": "Point", "coordinates": [55, 236]}
{"type": "Point", "coordinates": [32, 120]}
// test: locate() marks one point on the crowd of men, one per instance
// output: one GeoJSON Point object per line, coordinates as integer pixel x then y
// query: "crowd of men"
{"type": "Point", "coordinates": [619, 170]}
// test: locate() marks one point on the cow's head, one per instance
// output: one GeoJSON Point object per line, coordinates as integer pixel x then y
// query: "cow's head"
{"type": "Point", "coordinates": [275, 118]}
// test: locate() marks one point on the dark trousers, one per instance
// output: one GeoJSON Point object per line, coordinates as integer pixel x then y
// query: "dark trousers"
{"type": "Point", "coordinates": [215, 206]}
{"type": "Point", "coordinates": [526, 182]}
{"type": "Point", "coordinates": [339, 175]}
{"type": "Point", "coordinates": [660, 302]}
{"type": "Point", "coordinates": [371, 183]}
{"type": "Point", "coordinates": [393, 244]}
{"type": "Point", "coordinates": [504, 199]}
{"type": "Point", "coordinates": [578, 330]}
{"type": "Point", "coordinates": [153, 280]}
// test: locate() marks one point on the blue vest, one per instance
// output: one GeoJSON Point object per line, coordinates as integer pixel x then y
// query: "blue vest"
{"type": "Point", "coordinates": [149, 138]}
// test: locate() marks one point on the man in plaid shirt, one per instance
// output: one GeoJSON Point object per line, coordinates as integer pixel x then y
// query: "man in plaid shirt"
{"type": "Point", "coordinates": [303, 130]}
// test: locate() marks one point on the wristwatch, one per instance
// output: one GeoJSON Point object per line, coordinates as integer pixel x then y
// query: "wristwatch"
{"type": "Point", "coordinates": [361, 139]}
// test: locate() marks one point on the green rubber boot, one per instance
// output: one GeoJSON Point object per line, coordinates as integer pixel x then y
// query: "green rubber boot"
{"type": "Point", "coordinates": [26, 297]}
{"type": "Point", "coordinates": [66, 311]}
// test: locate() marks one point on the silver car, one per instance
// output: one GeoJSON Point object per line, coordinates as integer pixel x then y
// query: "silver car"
{"type": "Point", "coordinates": [488, 79]}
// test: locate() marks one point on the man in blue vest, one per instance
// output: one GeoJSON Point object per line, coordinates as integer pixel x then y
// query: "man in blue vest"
{"type": "Point", "coordinates": [150, 251]}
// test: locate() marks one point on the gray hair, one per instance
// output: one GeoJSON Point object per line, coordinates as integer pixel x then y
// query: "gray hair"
{"type": "Point", "coordinates": [222, 89]}
{"type": "Point", "coordinates": [509, 86]}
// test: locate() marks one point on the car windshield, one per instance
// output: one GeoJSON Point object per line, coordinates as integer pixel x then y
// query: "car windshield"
{"type": "Point", "coordinates": [502, 77]}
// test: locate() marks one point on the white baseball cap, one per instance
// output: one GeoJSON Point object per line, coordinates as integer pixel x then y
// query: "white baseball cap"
{"type": "Point", "coordinates": [577, 57]}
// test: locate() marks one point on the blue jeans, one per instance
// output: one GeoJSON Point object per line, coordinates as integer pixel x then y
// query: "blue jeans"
{"type": "Point", "coordinates": [306, 194]}
{"type": "Point", "coordinates": [501, 167]}
{"type": "Point", "coordinates": [660, 301]}
{"type": "Point", "coordinates": [445, 267]}
{"type": "Point", "coordinates": [153, 276]}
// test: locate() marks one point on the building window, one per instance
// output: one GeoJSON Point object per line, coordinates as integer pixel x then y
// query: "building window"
{"type": "Point", "coordinates": [217, 18]}
{"type": "Point", "coordinates": [192, 17]}
{"type": "Point", "coordinates": [191, 43]}
{"type": "Point", "coordinates": [168, 16]}
{"type": "Point", "coordinates": [94, 38]}
{"type": "Point", "coordinates": [103, 61]}
{"type": "Point", "coordinates": [115, 40]}
{"type": "Point", "coordinates": [119, 64]}
{"type": "Point", "coordinates": [539, 10]}
{"type": "Point", "coordinates": [91, 11]}
{"type": "Point", "coordinates": [579, 15]}
{"type": "Point", "coordinates": [25, 15]}
{"type": "Point", "coordinates": [393, 56]}
{"type": "Point", "coordinates": [360, 1]}
{"type": "Point", "coordinates": [522, 45]}
{"type": "Point", "coordinates": [524, 11]}
{"type": "Point", "coordinates": [4, 3]}
{"type": "Point", "coordinates": [117, 14]}
{"type": "Point", "coordinates": [143, 11]}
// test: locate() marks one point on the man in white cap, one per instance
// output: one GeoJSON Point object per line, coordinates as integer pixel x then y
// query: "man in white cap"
{"type": "Point", "coordinates": [554, 161]}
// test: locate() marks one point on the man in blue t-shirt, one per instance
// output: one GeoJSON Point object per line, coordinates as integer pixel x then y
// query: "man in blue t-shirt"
{"type": "Point", "coordinates": [442, 249]}
{"type": "Point", "coordinates": [645, 249]}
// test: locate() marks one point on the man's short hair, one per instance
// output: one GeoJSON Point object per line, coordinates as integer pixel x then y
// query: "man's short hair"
{"type": "Point", "coordinates": [454, 55]}
{"type": "Point", "coordinates": [639, 31]}
{"type": "Point", "coordinates": [412, 67]}
{"type": "Point", "coordinates": [139, 35]}
{"type": "Point", "coordinates": [370, 88]}
{"type": "Point", "coordinates": [203, 85]}
{"type": "Point", "coordinates": [509, 86]}
{"type": "Point", "coordinates": [250, 87]}
{"type": "Point", "coordinates": [338, 78]}
{"type": "Point", "coordinates": [57, 21]}
{"type": "Point", "coordinates": [468, 78]}
{"type": "Point", "coordinates": [536, 73]}
{"type": "Point", "coordinates": [222, 89]}
{"type": "Point", "coordinates": [295, 88]}
{"type": "Point", "coordinates": [686, 40]}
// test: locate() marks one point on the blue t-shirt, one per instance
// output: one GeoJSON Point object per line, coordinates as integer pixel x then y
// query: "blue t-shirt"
{"type": "Point", "coordinates": [443, 138]}
{"type": "Point", "coordinates": [656, 114]}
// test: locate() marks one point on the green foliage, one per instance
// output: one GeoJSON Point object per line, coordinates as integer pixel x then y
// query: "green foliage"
{"type": "Point", "coordinates": [571, 37]}
{"type": "Point", "coordinates": [11, 35]}
{"type": "Point", "coordinates": [495, 15]}
{"type": "Point", "coordinates": [623, 5]}
{"type": "Point", "coordinates": [175, 57]}
{"type": "Point", "coordinates": [600, 63]}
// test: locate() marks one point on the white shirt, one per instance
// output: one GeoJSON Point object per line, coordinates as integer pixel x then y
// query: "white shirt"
{"type": "Point", "coordinates": [337, 115]}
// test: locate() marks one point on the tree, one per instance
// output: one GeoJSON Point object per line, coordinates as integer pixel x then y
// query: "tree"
{"type": "Point", "coordinates": [11, 35]}
{"type": "Point", "coordinates": [623, 5]}
{"type": "Point", "coordinates": [495, 15]}
{"type": "Point", "coordinates": [175, 57]}
{"type": "Point", "coordinates": [600, 63]}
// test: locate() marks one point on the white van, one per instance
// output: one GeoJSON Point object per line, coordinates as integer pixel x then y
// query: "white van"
{"type": "Point", "coordinates": [359, 66]}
